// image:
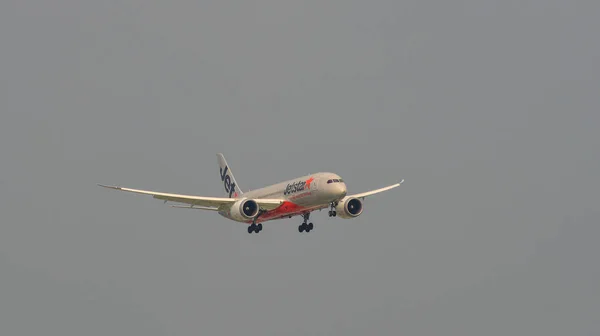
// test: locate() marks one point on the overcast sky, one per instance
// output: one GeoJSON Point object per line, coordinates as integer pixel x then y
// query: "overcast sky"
{"type": "Point", "coordinates": [488, 109]}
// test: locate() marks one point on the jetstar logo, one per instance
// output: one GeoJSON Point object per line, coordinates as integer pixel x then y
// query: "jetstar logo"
{"type": "Point", "coordinates": [227, 183]}
{"type": "Point", "coordinates": [298, 186]}
{"type": "Point", "coordinates": [309, 181]}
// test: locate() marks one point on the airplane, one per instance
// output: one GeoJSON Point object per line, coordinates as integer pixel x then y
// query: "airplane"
{"type": "Point", "coordinates": [296, 197]}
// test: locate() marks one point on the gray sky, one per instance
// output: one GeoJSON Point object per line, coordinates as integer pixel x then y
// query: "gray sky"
{"type": "Point", "coordinates": [488, 109]}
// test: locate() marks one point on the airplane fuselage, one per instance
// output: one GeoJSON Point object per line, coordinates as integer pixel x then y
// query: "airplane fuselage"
{"type": "Point", "coordinates": [300, 195]}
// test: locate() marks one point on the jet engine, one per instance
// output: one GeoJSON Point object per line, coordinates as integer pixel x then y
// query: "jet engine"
{"type": "Point", "coordinates": [349, 207]}
{"type": "Point", "coordinates": [244, 209]}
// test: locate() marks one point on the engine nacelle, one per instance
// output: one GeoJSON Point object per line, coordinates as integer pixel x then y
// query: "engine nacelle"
{"type": "Point", "coordinates": [243, 210]}
{"type": "Point", "coordinates": [349, 207]}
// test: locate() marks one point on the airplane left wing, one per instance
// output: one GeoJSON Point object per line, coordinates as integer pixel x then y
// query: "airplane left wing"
{"type": "Point", "coordinates": [373, 192]}
{"type": "Point", "coordinates": [204, 203]}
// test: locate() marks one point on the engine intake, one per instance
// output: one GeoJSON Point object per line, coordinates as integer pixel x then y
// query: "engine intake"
{"type": "Point", "coordinates": [349, 207]}
{"type": "Point", "coordinates": [244, 210]}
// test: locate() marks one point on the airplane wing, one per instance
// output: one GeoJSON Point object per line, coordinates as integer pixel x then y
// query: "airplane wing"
{"type": "Point", "coordinates": [200, 202]}
{"type": "Point", "coordinates": [376, 191]}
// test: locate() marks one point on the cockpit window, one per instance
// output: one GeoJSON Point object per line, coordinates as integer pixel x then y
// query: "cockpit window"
{"type": "Point", "coordinates": [341, 180]}
{"type": "Point", "coordinates": [336, 180]}
{"type": "Point", "coordinates": [329, 181]}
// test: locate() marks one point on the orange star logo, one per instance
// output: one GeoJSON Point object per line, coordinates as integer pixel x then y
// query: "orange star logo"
{"type": "Point", "coordinates": [309, 181]}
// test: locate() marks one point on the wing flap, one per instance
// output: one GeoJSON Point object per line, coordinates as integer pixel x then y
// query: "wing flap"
{"type": "Point", "coordinates": [194, 207]}
{"type": "Point", "coordinates": [268, 203]}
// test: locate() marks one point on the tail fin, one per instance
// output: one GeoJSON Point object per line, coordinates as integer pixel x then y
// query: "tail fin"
{"type": "Point", "coordinates": [232, 189]}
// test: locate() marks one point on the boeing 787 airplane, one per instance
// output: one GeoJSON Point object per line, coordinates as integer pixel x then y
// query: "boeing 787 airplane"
{"type": "Point", "coordinates": [297, 197]}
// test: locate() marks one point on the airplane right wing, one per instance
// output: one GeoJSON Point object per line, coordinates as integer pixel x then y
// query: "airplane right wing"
{"type": "Point", "coordinates": [376, 191]}
{"type": "Point", "coordinates": [201, 202]}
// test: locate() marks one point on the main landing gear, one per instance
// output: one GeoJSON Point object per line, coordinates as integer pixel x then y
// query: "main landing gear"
{"type": "Point", "coordinates": [305, 226]}
{"type": "Point", "coordinates": [256, 227]}
{"type": "Point", "coordinates": [332, 212]}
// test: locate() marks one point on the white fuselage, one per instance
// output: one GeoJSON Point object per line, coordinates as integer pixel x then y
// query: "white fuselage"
{"type": "Point", "coordinates": [302, 194]}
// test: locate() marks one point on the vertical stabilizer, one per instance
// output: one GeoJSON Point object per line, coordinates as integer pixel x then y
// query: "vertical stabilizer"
{"type": "Point", "coordinates": [232, 189]}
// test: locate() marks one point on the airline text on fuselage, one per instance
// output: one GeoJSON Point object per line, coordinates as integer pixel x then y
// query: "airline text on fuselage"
{"type": "Point", "coordinates": [294, 187]}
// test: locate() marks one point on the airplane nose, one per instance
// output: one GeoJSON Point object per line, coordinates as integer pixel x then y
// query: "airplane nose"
{"type": "Point", "coordinates": [341, 189]}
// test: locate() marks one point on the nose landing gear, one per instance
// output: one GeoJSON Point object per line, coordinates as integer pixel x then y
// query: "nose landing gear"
{"type": "Point", "coordinates": [332, 212]}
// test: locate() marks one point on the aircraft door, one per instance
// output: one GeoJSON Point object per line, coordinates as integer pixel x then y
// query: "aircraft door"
{"type": "Point", "coordinates": [314, 186]}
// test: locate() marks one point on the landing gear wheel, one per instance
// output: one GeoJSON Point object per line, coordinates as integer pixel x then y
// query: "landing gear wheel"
{"type": "Point", "coordinates": [305, 227]}
{"type": "Point", "coordinates": [255, 228]}
{"type": "Point", "coordinates": [334, 213]}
